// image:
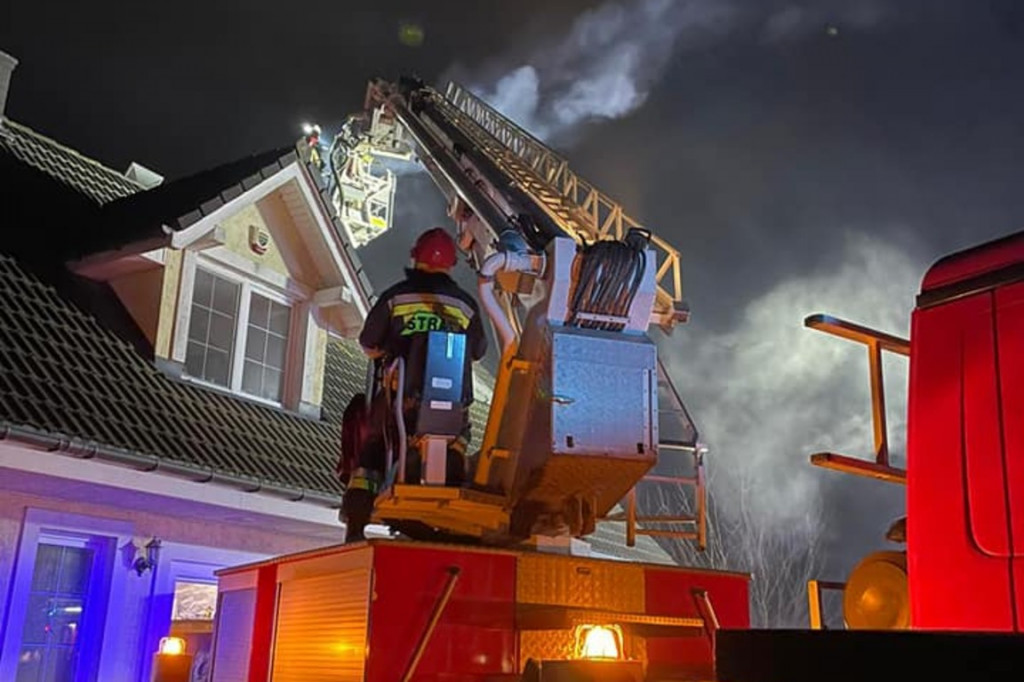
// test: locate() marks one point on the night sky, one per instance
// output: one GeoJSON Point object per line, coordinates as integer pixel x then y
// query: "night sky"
{"type": "Point", "coordinates": [804, 156]}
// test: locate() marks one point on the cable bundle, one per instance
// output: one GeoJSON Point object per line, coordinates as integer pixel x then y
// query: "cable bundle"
{"type": "Point", "coordinates": [609, 275]}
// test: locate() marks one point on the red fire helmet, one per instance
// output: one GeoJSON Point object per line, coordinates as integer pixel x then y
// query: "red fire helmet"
{"type": "Point", "coordinates": [435, 249]}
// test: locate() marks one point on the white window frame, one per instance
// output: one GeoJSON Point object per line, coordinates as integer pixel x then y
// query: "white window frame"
{"type": "Point", "coordinates": [247, 287]}
{"type": "Point", "coordinates": [107, 586]}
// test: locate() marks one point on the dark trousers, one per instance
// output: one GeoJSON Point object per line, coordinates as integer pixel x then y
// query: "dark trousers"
{"type": "Point", "coordinates": [363, 486]}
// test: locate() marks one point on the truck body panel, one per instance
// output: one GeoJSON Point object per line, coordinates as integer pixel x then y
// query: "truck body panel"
{"type": "Point", "coordinates": [359, 612]}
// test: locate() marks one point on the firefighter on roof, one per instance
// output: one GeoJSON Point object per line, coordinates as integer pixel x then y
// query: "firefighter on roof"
{"type": "Point", "coordinates": [396, 327]}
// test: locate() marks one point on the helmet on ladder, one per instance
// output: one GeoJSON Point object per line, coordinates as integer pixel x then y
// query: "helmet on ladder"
{"type": "Point", "coordinates": [435, 250]}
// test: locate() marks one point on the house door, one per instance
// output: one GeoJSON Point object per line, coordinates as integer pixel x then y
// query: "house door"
{"type": "Point", "coordinates": [184, 602]}
{"type": "Point", "coordinates": [64, 613]}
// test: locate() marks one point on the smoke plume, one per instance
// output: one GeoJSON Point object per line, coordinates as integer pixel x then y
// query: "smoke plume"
{"type": "Point", "coordinates": [605, 66]}
{"type": "Point", "coordinates": [770, 392]}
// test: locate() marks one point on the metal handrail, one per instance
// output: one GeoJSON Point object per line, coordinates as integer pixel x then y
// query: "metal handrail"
{"type": "Point", "coordinates": [697, 520]}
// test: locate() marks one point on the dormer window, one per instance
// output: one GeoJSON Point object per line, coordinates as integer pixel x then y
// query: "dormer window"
{"type": "Point", "coordinates": [238, 335]}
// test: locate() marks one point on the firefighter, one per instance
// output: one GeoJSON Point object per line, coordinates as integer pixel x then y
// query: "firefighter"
{"type": "Point", "coordinates": [428, 299]}
{"type": "Point", "coordinates": [312, 140]}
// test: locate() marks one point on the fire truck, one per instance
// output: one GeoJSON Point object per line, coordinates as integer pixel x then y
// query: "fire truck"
{"type": "Point", "coordinates": [481, 581]}
{"type": "Point", "coordinates": [488, 580]}
{"type": "Point", "coordinates": [951, 604]}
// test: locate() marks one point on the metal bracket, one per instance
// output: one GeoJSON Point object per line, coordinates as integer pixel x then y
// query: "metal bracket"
{"type": "Point", "coordinates": [815, 611]}
{"type": "Point", "coordinates": [876, 342]}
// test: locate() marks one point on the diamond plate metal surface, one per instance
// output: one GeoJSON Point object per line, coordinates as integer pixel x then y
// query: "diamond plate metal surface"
{"type": "Point", "coordinates": [571, 581]}
{"type": "Point", "coordinates": [603, 394]}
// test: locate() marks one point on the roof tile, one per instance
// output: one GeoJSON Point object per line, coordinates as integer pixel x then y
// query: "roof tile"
{"type": "Point", "coordinates": [80, 173]}
{"type": "Point", "coordinates": [113, 397]}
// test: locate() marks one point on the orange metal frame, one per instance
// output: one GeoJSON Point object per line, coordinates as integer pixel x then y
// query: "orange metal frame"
{"type": "Point", "coordinates": [815, 611]}
{"type": "Point", "coordinates": [876, 342]}
{"type": "Point", "coordinates": [697, 521]}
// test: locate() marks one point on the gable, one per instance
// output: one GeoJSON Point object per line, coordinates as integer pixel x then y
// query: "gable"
{"type": "Point", "coordinates": [271, 222]}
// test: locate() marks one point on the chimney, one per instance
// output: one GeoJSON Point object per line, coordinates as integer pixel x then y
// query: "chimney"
{"type": "Point", "coordinates": [7, 64]}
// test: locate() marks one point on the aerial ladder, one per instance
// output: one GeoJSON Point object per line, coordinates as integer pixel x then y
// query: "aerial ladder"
{"type": "Point", "coordinates": [583, 406]}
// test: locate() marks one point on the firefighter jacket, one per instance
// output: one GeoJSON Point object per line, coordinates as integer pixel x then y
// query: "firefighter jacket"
{"type": "Point", "coordinates": [423, 302]}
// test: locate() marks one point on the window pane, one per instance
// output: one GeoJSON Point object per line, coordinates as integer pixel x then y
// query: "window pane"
{"type": "Point", "coordinates": [222, 331]}
{"type": "Point", "coordinates": [271, 384]}
{"type": "Point", "coordinates": [259, 310]}
{"type": "Point", "coordinates": [37, 619]}
{"type": "Point", "coordinates": [225, 296]}
{"type": "Point", "coordinates": [199, 324]}
{"type": "Point", "coordinates": [252, 377]}
{"type": "Point", "coordinates": [195, 356]}
{"type": "Point", "coordinates": [194, 601]}
{"type": "Point", "coordinates": [65, 620]}
{"type": "Point", "coordinates": [75, 570]}
{"type": "Point", "coordinates": [217, 366]}
{"type": "Point", "coordinates": [47, 568]}
{"type": "Point", "coordinates": [275, 352]}
{"type": "Point", "coordinates": [256, 344]}
{"type": "Point", "coordinates": [202, 289]}
{"type": "Point", "coordinates": [212, 328]}
{"type": "Point", "coordinates": [280, 315]}
{"type": "Point", "coordinates": [60, 666]}
{"type": "Point", "coordinates": [30, 664]}
{"type": "Point", "coordinates": [266, 346]}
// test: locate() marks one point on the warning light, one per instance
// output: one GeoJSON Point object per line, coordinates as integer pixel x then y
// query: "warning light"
{"type": "Point", "coordinates": [599, 642]}
{"type": "Point", "coordinates": [172, 646]}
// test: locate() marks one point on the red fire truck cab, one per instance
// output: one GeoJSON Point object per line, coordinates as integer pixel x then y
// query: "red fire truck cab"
{"type": "Point", "coordinates": [952, 603]}
{"type": "Point", "coordinates": [965, 449]}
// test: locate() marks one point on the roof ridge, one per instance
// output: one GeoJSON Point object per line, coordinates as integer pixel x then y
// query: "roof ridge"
{"type": "Point", "coordinates": [21, 127]}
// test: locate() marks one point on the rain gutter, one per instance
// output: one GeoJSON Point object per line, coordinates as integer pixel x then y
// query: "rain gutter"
{"type": "Point", "coordinates": [83, 449]}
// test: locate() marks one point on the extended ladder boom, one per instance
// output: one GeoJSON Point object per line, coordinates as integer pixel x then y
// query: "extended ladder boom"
{"type": "Point", "coordinates": [510, 180]}
{"type": "Point", "coordinates": [581, 400]}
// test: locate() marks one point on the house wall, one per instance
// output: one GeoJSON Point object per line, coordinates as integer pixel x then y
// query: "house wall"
{"type": "Point", "coordinates": [285, 265]}
{"type": "Point", "coordinates": [236, 238]}
{"type": "Point", "coordinates": [316, 351]}
{"type": "Point", "coordinates": [168, 307]}
{"type": "Point", "coordinates": [140, 293]}
{"type": "Point", "coordinates": [288, 240]}
{"type": "Point", "coordinates": [139, 606]}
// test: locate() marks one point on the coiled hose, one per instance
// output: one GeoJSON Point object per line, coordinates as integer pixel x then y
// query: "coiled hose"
{"type": "Point", "coordinates": [609, 275]}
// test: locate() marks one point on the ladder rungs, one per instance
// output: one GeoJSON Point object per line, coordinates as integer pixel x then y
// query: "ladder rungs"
{"type": "Point", "coordinates": [676, 445]}
{"type": "Point", "coordinates": [683, 534]}
{"type": "Point", "coordinates": [652, 519]}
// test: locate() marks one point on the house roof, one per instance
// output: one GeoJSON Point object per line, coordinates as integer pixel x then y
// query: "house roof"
{"type": "Point", "coordinates": [68, 382]}
{"type": "Point", "coordinates": [116, 405]}
{"type": "Point", "coordinates": [78, 172]}
{"type": "Point", "coordinates": [180, 203]}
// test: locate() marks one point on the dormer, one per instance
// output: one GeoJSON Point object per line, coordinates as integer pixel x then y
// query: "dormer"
{"type": "Point", "coordinates": [239, 290]}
